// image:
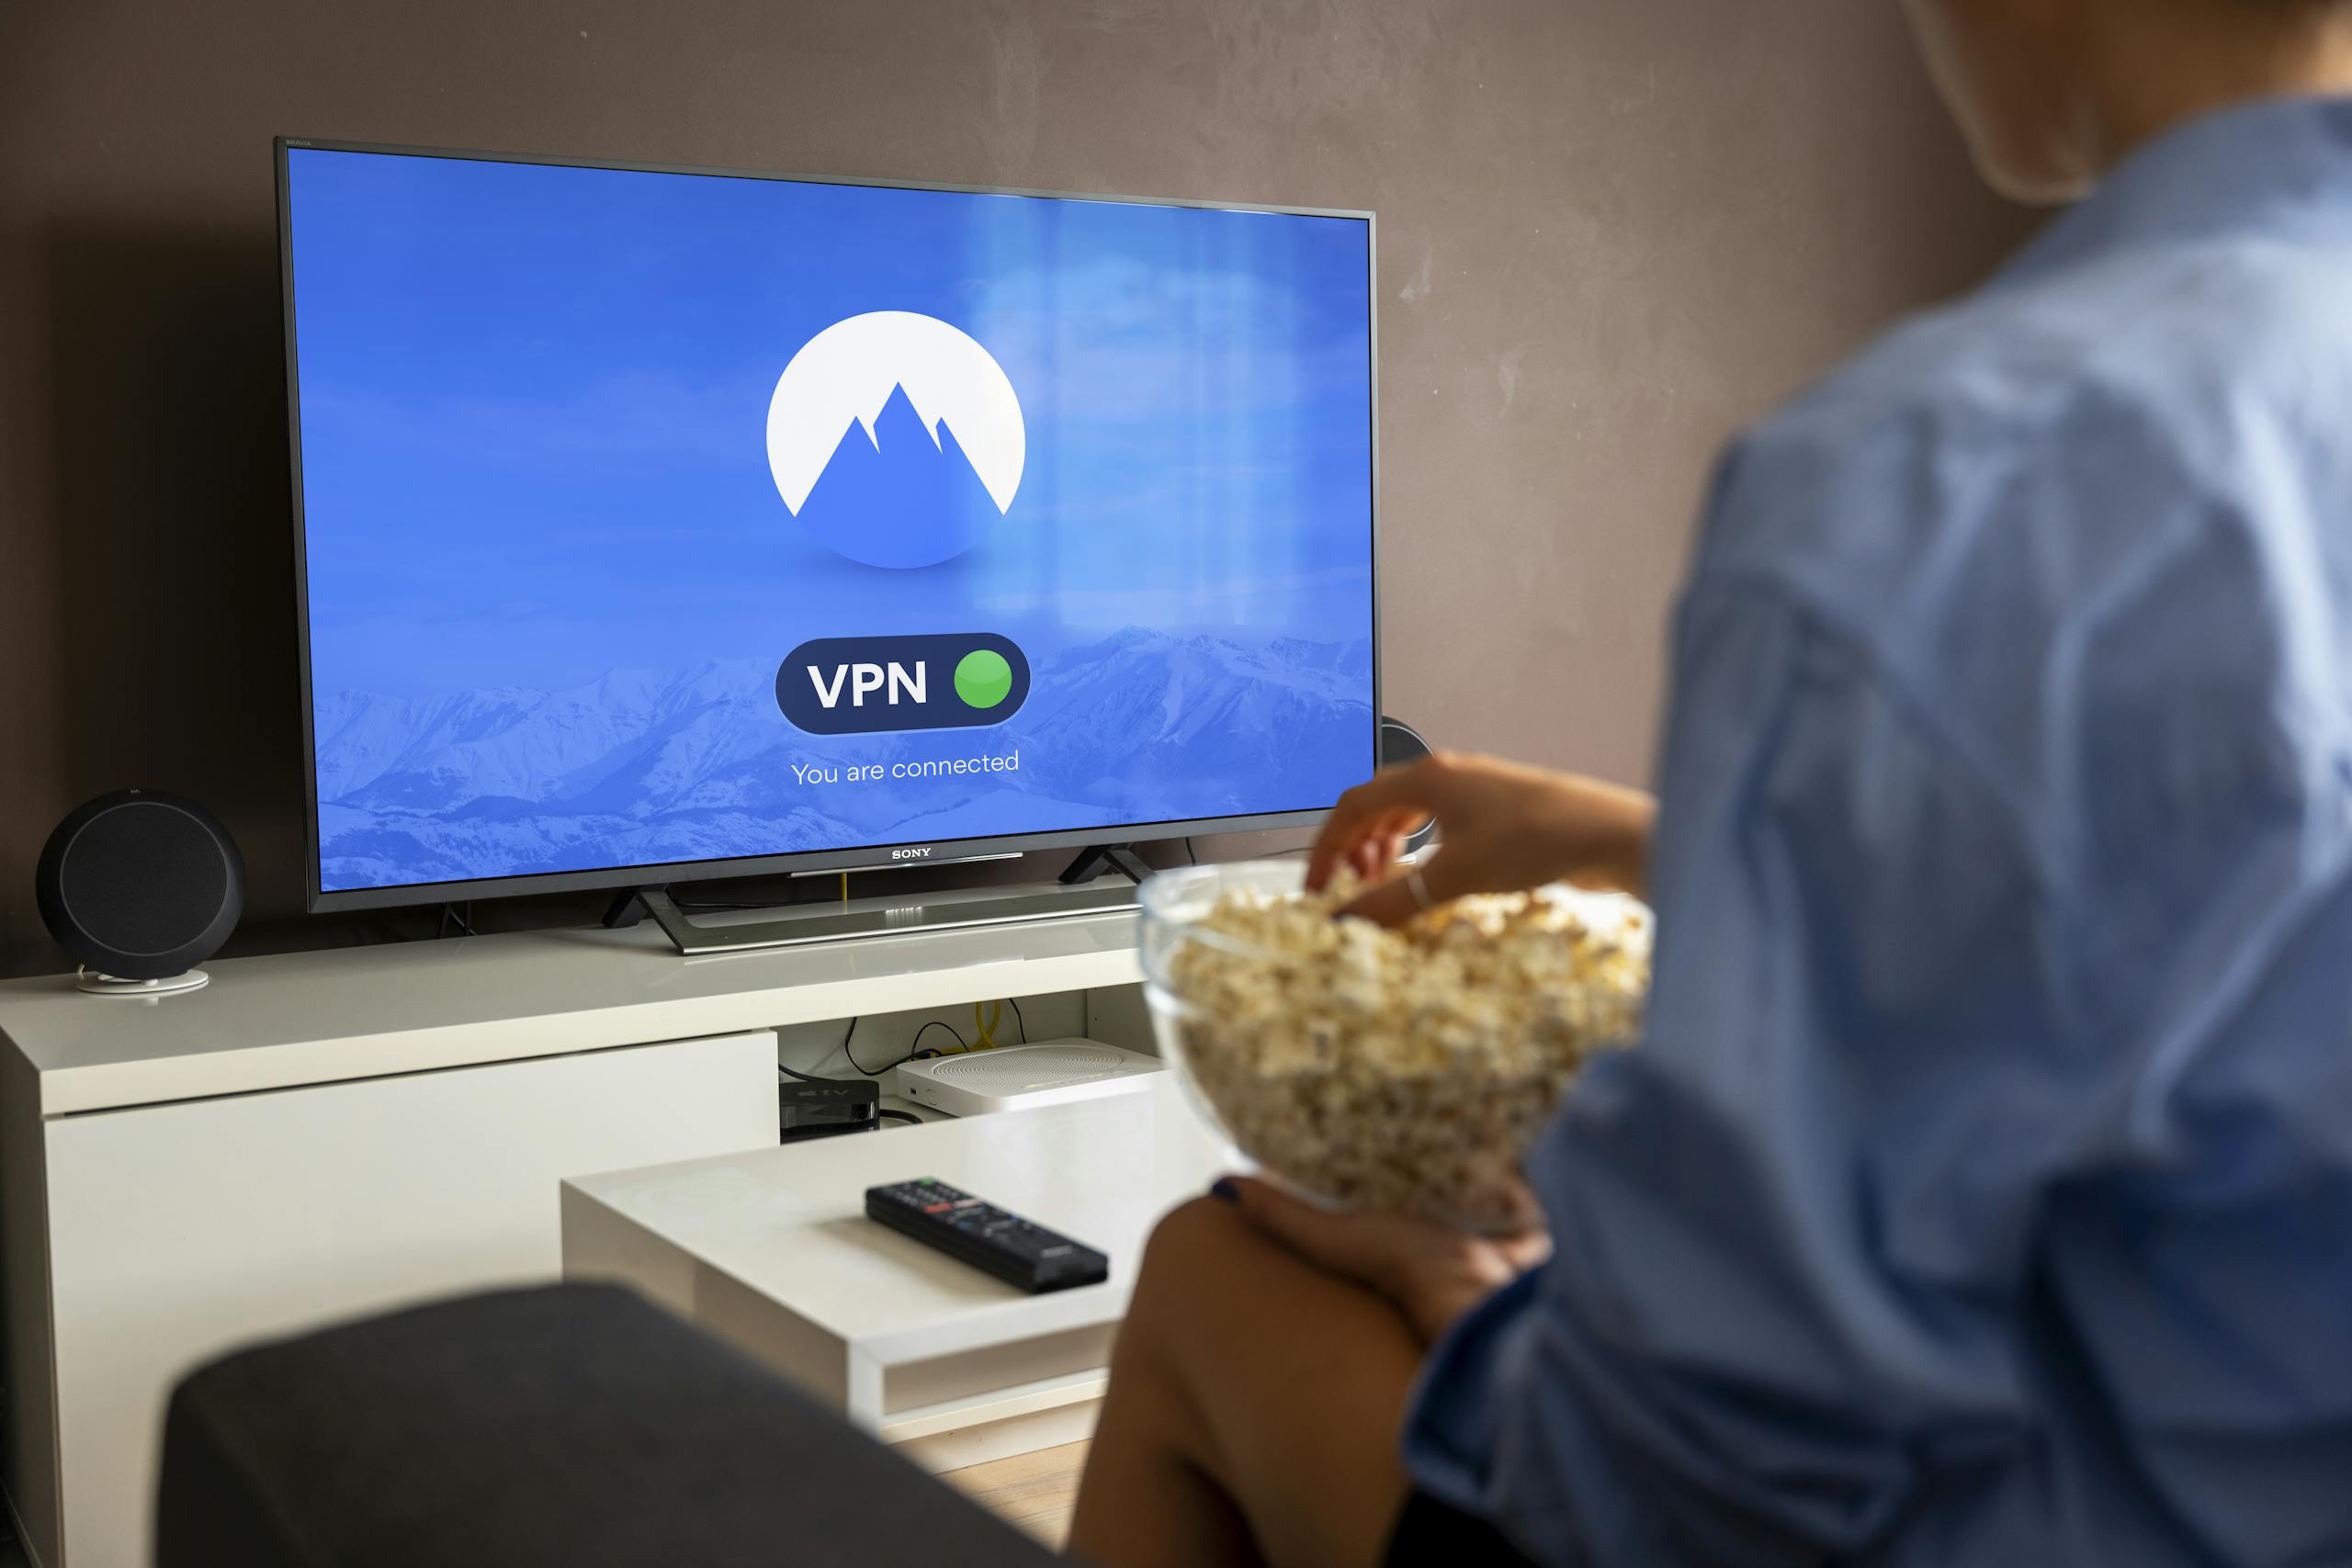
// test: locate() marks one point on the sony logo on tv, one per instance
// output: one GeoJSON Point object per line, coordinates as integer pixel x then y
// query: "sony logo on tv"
{"type": "Point", "coordinates": [910, 854]}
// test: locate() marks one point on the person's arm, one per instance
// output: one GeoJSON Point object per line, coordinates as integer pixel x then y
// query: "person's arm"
{"type": "Point", "coordinates": [1769, 1217]}
{"type": "Point", "coordinates": [1503, 827]}
{"type": "Point", "coordinates": [1432, 1274]}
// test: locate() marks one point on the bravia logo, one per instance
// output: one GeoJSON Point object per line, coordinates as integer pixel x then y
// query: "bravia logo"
{"type": "Point", "coordinates": [896, 439]}
{"type": "Point", "coordinates": [910, 854]}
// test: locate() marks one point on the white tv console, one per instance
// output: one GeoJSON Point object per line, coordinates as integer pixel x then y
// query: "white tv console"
{"type": "Point", "coordinates": [319, 1135]}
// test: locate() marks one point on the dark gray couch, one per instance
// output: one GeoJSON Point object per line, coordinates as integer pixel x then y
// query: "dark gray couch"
{"type": "Point", "coordinates": [573, 1426]}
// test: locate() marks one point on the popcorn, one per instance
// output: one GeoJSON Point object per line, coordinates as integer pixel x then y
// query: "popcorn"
{"type": "Point", "coordinates": [1403, 1070]}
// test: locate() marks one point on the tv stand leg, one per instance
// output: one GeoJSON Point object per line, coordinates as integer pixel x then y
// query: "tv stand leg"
{"type": "Point", "coordinates": [626, 911]}
{"type": "Point", "coordinates": [1091, 861]}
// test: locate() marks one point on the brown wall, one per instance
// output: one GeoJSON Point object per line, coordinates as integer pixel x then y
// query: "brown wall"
{"type": "Point", "coordinates": [1610, 231]}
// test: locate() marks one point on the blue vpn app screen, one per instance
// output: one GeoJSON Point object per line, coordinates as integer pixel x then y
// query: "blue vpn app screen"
{"type": "Point", "coordinates": [656, 517]}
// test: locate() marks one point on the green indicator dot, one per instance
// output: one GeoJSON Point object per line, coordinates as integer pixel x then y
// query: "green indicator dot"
{"type": "Point", "coordinates": [983, 678]}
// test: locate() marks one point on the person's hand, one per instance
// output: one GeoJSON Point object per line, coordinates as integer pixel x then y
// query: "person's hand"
{"type": "Point", "coordinates": [1432, 1275]}
{"type": "Point", "coordinates": [1506, 827]}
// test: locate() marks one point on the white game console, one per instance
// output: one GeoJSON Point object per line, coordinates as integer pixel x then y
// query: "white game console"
{"type": "Point", "coordinates": [1016, 1077]}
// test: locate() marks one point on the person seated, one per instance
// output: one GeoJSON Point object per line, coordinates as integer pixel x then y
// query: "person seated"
{"type": "Point", "coordinates": [1981, 1189]}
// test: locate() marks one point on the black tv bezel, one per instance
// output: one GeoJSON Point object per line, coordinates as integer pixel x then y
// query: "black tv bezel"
{"type": "Point", "coordinates": [318, 900]}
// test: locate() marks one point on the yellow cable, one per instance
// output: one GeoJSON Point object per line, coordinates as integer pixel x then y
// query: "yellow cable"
{"type": "Point", "coordinates": [845, 887]}
{"type": "Point", "coordinates": [986, 1027]}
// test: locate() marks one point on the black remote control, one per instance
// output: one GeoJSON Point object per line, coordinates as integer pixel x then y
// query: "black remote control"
{"type": "Point", "coordinates": [985, 1236]}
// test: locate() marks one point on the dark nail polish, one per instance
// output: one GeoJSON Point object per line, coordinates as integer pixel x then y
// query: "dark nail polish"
{"type": "Point", "coordinates": [1225, 1190]}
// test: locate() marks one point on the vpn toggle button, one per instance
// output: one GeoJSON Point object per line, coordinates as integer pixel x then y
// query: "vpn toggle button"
{"type": "Point", "coordinates": [865, 685]}
{"type": "Point", "coordinates": [983, 678]}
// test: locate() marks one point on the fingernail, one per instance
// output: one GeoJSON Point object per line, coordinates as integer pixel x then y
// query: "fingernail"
{"type": "Point", "coordinates": [1225, 1192]}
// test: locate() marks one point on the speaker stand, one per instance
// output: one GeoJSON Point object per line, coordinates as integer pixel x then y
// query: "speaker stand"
{"type": "Point", "coordinates": [97, 985]}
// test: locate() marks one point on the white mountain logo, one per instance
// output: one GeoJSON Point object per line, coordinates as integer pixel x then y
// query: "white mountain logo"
{"type": "Point", "coordinates": [842, 445]}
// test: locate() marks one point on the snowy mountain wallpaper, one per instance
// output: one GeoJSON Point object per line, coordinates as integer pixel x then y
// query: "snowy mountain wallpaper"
{"type": "Point", "coordinates": [588, 454]}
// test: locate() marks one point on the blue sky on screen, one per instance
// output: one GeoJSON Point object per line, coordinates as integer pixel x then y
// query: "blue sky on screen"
{"type": "Point", "coordinates": [552, 576]}
{"type": "Point", "coordinates": [533, 403]}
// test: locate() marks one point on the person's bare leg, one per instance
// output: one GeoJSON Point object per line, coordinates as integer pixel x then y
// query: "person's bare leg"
{"type": "Point", "coordinates": [1253, 1413]}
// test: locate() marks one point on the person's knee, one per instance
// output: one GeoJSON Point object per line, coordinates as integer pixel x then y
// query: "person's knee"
{"type": "Point", "coordinates": [1193, 1242]}
{"type": "Point", "coordinates": [1191, 1259]}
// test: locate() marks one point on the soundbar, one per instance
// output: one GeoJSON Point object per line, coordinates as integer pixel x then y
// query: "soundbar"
{"type": "Point", "coordinates": [792, 927]}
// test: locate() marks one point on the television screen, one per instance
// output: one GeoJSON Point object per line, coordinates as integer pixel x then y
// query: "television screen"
{"type": "Point", "coordinates": [665, 521]}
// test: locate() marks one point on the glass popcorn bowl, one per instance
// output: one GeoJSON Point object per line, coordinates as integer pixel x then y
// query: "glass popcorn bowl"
{"type": "Point", "coordinates": [1404, 1071]}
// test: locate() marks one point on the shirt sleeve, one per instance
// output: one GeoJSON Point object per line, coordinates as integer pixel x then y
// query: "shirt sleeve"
{"type": "Point", "coordinates": [1762, 1328]}
{"type": "Point", "coordinates": [1981, 1189]}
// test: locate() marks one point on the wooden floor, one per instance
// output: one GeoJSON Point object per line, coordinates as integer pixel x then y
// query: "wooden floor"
{"type": "Point", "coordinates": [1035, 1491]}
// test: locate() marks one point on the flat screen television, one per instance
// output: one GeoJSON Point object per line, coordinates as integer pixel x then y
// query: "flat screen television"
{"type": "Point", "coordinates": [658, 524]}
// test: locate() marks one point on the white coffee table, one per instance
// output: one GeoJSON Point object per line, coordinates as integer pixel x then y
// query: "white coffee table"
{"type": "Point", "coordinates": [772, 1251]}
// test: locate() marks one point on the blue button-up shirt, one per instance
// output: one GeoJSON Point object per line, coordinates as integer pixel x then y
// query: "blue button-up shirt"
{"type": "Point", "coordinates": [1982, 1190]}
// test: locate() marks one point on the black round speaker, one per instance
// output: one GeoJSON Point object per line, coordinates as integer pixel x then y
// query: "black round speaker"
{"type": "Point", "coordinates": [140, 886]}
{"type": "Point", "coordinates": [1399, 745]}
